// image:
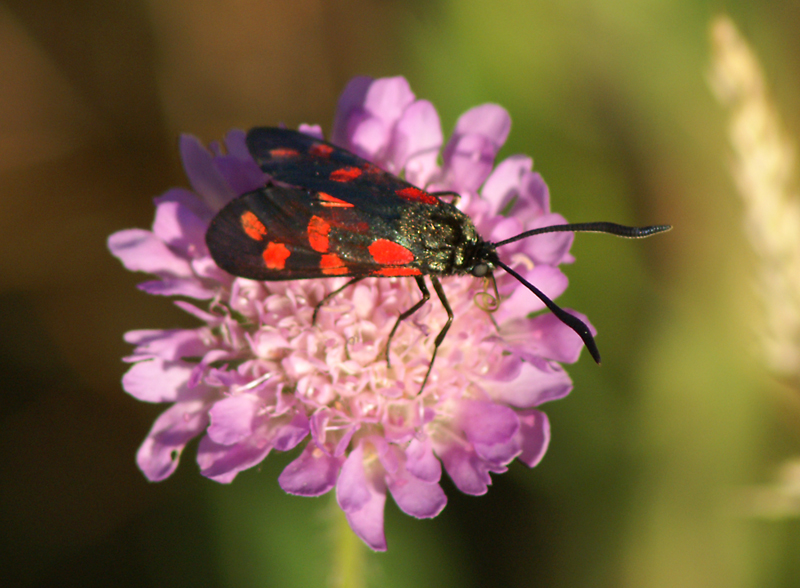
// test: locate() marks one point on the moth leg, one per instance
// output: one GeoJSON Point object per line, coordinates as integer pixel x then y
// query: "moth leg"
{"type": "Point", "coordinates": [440, 337]}
{"type": "Point", "coordinates": [425, 297]}
{"type": "Point", "coordinates": [330, 295]}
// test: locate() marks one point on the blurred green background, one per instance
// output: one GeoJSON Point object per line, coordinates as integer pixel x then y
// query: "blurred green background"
{"type": "Point", "coordinates": [651, 453]}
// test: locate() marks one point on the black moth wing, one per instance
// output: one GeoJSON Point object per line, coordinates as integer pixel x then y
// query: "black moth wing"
{"type": "Point", "coordinates": [297, 159]}
{"type": "Point", "coordinates": [294, 234]}
{"type": "Point", "coordinates": [332, 213]}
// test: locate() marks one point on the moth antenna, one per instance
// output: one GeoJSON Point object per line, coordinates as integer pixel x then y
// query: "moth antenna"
{"type": "Point", "coordinates": [598, 227]}
{"type": "Point", "coordinates": [571, 321]}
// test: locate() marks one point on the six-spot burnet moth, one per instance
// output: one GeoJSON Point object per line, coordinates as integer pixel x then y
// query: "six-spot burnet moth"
{"type": "Point", "coordinates": [327, 213]}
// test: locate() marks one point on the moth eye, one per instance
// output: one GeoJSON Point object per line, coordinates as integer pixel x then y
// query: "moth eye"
{"type": "Point", "coordinates": [480, 270]}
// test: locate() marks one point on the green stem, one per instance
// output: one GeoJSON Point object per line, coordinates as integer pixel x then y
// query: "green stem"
{"type": "Point", "coordinates": [348, 553]}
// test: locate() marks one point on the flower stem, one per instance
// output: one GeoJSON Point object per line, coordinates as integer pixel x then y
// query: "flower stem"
{"type": "Point", "coordinates": [348, 562]}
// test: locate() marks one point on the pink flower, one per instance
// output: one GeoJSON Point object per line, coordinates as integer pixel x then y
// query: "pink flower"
{"type": "Point", "coordinates": [257, 375]}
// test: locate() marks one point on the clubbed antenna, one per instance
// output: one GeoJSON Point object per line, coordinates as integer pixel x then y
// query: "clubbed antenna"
{"type": "Point", "coordinates": [598, 227]}
{"type": "Point", "coordinates": [572, 321]}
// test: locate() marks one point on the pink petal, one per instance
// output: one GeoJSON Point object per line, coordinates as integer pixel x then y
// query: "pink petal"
{"type": "Point", "coordinates": [504, 183]}
{"type": "Point", "coordinates": [351, 100]}
{"type": "Point", "coordinates": [236, 144]}
{"type": "Point", "coordinates": [368, 127]}
{"type": "Point", "coordinates": [468, 161]}
{"type": "Point", "coordinates": [312, 474]}
{"type": "Point", "coordinates": [367, 522]}
{"type": "Point", "coordinates": [499, 454]}
{"type": "Point", "coordinates": [513, 184]}
{"type": "Point", "coordinates": [369, 138]}
{"type": "Point", "coordinates": [142, 251]}
{"type": "Point", "coordinates": [421, 461]}
{"type": "Point", "coordinates": [351, 489]}
{"type": "Point", "coordinates": [507, 368]}
{"type": "Point", "coordinates": [416, 497]}
{"type": "Point", "coordinates": [468, 472]}
{"type": "Point", "coordinates": [207, 270]}
{"type": "Point", "coordinates": [417, 140]}
{"type": "Point", "coordinates": [170, 345]}
{"type": "Point", "coordinates": [478, 136]}
{"type": "Point", "coordinates": [187, 199]}
{"type": "Point", "coordinates": [387, 98]}
{"type": "Point", "coordinates": [205, 179]}
{"type": "Point", "coordinates": [362, 499]}
{"type": "Point", "coordinates": [159, 454]}
{"type": "Point", "coordinates": [534, 197]}
{"type": "Point", "coordinates": [486, 422]}
{"type": "Point", "coordinates": [289, 430]}
{"type": "Point", "coordinates": [534, 435]}
{"type": "Point", "coordinates": [505, 228]}
{"type": "Point", "coordinates": [535, 385]}
{"type": "Point", "coordinates": [222, 463]}
{"type": "Point", "coordinates": [156, 380]}
{"type": "Point", "coordinates": [180, 229]}
{"type": "Point", "coordinates": [311, 130]}
{"type": "Point", "coordinates": [232, 418]}
{"type": "Point", "coordinates": [237, 168]}
{"type": "Point", "coordinates": [488, 120]}
{"type": "Point", "coordinates": [241, 176]}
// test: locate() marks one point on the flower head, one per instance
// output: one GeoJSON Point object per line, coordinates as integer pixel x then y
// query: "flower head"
{"type": "Point", "coordinates": [259, 374]}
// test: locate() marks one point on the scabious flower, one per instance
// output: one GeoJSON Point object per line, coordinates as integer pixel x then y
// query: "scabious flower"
{"type": "Point", "coordinates": [257, 375]}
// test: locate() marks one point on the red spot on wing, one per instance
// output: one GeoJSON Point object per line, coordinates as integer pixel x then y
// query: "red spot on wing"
{"type": "Point", "coordinates": [320, 150]}
{"type": "Point", "coordinates": [413, 194]}
{"type": "Point", "coordinates": [275, 256]}
{"type": "Point", "coordinates": [333, 202]}
{"type": "Point", "coordinates": [283, 152]}
{"type": "Point", "coordinates": [387, 252]}
{"type": "Point", "coordinates": [254, 228]}
{"type": "Point", "coordinates": [332, 265]}
{"type": "Point", "coordinates": [397, 271]}
{"type": "Point", "coordinates": [345, 174]}
{"type": "Point", "coordinates": [318, 231]}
